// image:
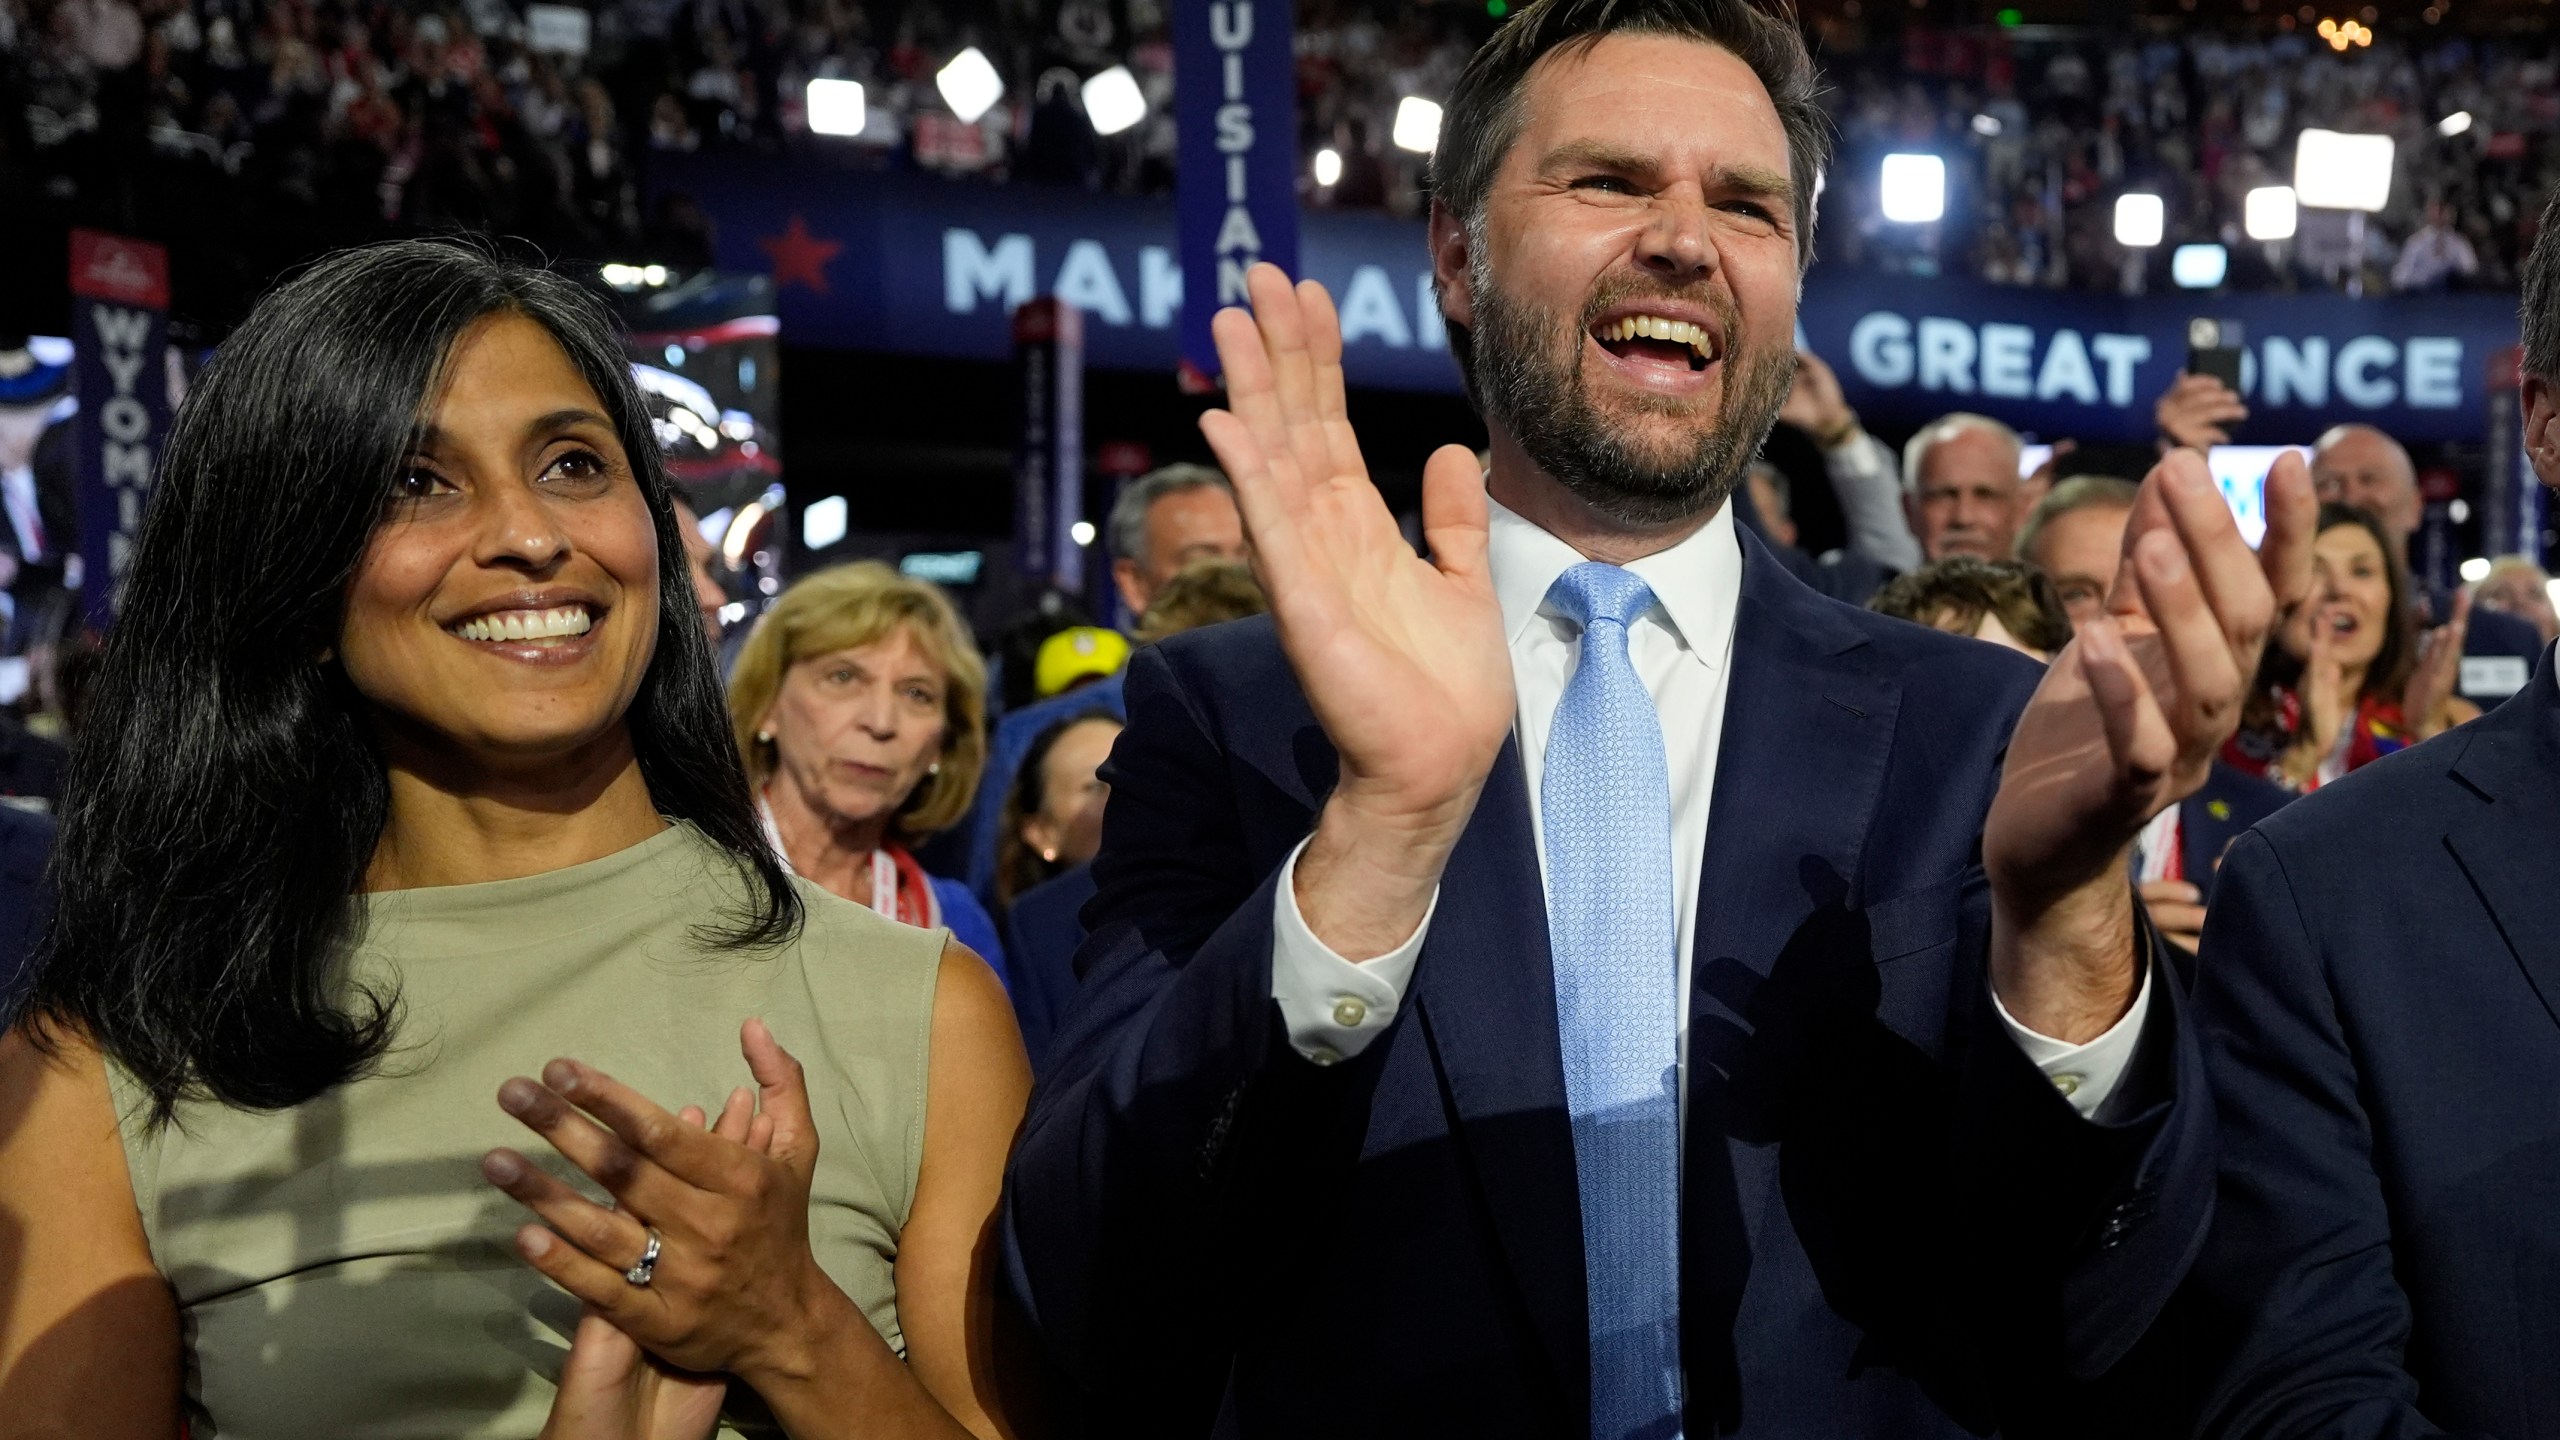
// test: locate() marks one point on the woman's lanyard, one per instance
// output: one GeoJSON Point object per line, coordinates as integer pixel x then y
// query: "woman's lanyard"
{"type": "Point", "coordinates": [899, 887]}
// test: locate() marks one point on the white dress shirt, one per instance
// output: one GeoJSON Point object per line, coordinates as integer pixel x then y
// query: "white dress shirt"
{"type": "Point", "coordinates": [1682, 648]}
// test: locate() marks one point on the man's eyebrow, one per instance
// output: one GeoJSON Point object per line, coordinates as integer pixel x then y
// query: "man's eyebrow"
{"type": "Point", "coordinates": [1735, 179]}
{"type": "Point", "coordinates": [1598, 155]}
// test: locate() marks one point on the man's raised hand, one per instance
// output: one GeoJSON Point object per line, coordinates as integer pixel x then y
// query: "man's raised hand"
{"type": "Point", "coordinates": [1402, 657]}
{"type": "Point", "coordinates": [2127, 722]}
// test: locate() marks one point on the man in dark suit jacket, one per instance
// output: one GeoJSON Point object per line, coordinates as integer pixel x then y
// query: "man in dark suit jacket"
{"type": "Point", "coordinates": [1043, 930]}
{"type": "Point", "coordinates": [2379, 999]}
{"type": "Point", "coordinates": [1312, 1155]}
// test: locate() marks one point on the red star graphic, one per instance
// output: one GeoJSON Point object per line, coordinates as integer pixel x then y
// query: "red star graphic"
{"type": "Point", "coordinates": [800, 257]}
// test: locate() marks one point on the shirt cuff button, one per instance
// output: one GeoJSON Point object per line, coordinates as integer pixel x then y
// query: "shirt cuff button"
{"type": "Point", "coordinates": [1349, 1011]}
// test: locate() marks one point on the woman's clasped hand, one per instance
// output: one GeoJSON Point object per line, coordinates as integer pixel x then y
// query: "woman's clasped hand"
{"type": "Point", "coordinates": [734, 1288]}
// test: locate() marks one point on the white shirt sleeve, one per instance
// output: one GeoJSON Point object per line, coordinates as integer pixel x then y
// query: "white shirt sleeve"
{"type": "Point", "coordinates": [1334, 1007]}
{"type": "Point", "coordinates": [1869, 483]}
{"type": "Point", "coordinates": [2085, 1074]}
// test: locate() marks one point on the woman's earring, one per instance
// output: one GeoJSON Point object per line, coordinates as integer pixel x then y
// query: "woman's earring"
{"type": "Point", "coordinates": [1050, 854]}
{"type": "Point", "coordinates": [764, 737]}
{"type": "Point", "coordinates": [934, 769]}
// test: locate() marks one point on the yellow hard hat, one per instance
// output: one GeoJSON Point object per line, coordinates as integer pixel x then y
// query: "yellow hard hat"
{"type": "Point", "coordinates": [1085, 652]}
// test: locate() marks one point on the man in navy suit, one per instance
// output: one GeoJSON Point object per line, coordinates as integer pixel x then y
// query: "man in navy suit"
{"type": "Point", "coordinates": [2379, 1002]}
{"type": "Point", "coordinates": [1584, 982]}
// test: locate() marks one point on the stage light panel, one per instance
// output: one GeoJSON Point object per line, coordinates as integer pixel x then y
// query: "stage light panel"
{"type": "Point", "coordinates": [1112, 101]}
{"type": "Point", "coordinates": [1914, 188]}
{"type": "Point", "coordinates": [2199, 267]}
{"type": "Point", "coordinates": [835, 107]}
{"type": "Point", "coordinates": [823, 523]}
{"type": "Point", "coordinates": [970, 85]}
{"type": "Point", "coordinates": [1328, 166]}
{"type": "Point", "coordinates": [1417, 125]}
{"type": "Point", "coordinates": [2141, 219]}
{"type": "Point", "coordinates": [2337, 171]}
{"type": "Point", "coordinates": [2269, 213]}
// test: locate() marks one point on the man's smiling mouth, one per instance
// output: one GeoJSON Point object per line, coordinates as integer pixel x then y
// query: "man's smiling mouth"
{"type": "Point", "coordinates": [1656, 340]}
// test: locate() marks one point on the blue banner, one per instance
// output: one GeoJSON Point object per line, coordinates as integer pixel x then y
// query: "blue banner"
{"type": "Point", "coordinates": [934, 267]}
{"type": "Point", "coordinates": [120, 342]}
{"type": "Point", "coordinates": [1236, 117]}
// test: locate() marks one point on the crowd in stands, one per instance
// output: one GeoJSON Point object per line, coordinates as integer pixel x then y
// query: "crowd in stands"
{"type": "Point", "coordinates": [2042, 136]}
{"type": "Point", "coordinates": [285, 125]}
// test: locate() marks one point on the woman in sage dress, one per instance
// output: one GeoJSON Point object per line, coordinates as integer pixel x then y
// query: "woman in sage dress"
{"type": "Point", "coordinates": [408, 782]}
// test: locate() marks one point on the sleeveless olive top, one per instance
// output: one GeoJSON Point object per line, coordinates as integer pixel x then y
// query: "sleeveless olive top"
{"type": "Point", "coordinates": [341, 1268]}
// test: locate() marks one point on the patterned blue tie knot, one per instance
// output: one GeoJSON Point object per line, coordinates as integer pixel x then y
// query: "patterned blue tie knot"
{"type": "Point", "coordinates": [1591, 592]}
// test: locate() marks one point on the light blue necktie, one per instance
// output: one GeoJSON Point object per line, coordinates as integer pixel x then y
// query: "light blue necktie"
{"type": "Point", "coordinates": [1606, 808]}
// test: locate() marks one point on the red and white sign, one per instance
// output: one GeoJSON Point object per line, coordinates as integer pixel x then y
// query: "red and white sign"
{"type": "Point", "coordinates": [114, 268]}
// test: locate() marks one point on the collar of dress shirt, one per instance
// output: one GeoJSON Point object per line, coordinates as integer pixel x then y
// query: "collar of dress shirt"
{"type": "Point", "coordinates": [1698, 582]}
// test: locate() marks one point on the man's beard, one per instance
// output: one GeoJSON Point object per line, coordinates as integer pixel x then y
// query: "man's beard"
{"type": "Point", "coordinates": [1540, 398]}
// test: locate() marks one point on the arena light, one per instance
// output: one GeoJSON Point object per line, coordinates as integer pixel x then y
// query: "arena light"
{"type": "Point", "coordinates": [2141, 219]}
{"type": "Point", "coordinates": [969, 85]}
{"type": "Point", "coordinates": [835, 107]}
{"type": "Point", "coordinates": [2337, 171]}
{"type": "Point", "coordinates": [2454, 124]}
{"type": "Point", "coordinates": [823, 523]}
{"type": "Point", "coordinates": [1417, 125]}
{"type": "Point", "coordinates": [2475, 570]}
{"type": "Point", "coordinates": [1986, 125]}
{"type": "Point", "coordinates": [2269, 213]}
{"type": "Point", "coordinates": [1328, 166]}
{"type": "Point", "coordinates": [1112, 101]}
{"type": "Point", "coordinates": [1913, 188]}
{"type": "Point", "coordinates": [2199, 267]}
{"type": "Point", "coordinates": [1081, 532]}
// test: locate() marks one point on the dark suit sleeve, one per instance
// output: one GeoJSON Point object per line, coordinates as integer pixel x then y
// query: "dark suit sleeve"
{"type": "Point", "coordinates": [2087, 1224]}
{"type": "Point", "coordinates": [2295, 1300]}
{"type": "Point", "coordinates": [1175, 1126]}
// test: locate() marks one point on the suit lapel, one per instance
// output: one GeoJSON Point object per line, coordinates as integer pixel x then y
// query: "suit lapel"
{"type": "Point", "coordinates": [2512, 759]}
{"type": "Point", "coordinates": [1485, 993]}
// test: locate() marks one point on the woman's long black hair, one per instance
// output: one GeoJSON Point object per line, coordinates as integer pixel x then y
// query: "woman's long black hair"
{"type": "Point", "coordinates": [227, 791]}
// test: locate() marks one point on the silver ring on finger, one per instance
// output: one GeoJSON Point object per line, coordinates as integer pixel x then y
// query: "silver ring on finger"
{"type": "Point", "coordinates": [642, 1273]}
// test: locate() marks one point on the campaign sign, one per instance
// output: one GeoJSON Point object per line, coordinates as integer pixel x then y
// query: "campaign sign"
{"type": "Point", "coordinates": [937, 267]}
{"type": "Point", "coordinates": [120, 325]}
{"type": "Point", "coordinates": [1236, 122]}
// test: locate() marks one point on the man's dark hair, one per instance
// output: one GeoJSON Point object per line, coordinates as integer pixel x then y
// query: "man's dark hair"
{"type": "Point", "coordinates": [227, 789]}
{"type": "Point", "coordinates": [2539, 315]}
{"type": "Point", "coordinates": [1486, 109]}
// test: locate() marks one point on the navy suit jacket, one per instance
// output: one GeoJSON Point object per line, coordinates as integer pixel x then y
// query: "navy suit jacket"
{"type": "Point", "coordinates": [1043, 930]}
{"type": "Point", "coordinates": [2229, 802]}
{"type": "Point", "coordinates": [1894, 1226]}
{"type": "Point", "coordinates": [2379, 1004]}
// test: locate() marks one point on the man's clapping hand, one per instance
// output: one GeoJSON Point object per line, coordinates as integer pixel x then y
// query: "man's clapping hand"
{"type": "Point", "coordinates": [2126, 723]}
{"type": "Point", "coordinates": [1402, 657]}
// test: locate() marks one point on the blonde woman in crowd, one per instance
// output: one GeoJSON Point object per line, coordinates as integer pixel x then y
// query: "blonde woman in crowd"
{"type": "Point", "coordinates": [860, 705]}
